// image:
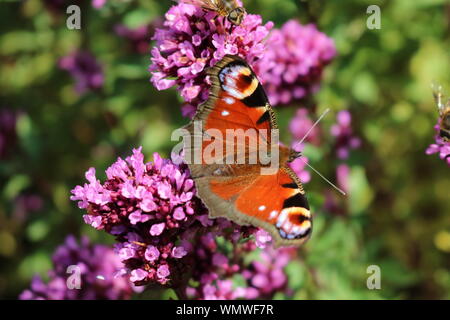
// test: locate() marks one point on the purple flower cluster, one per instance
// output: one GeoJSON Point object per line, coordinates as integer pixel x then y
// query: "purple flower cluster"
{"type": "Point", "coordinates": [216, 271]}
{"type": "Point", "coordinates": [267, 274]}
{"type": "Point", "coordinates": [163, 231]}
{"type": "Point", "coordinates": [291, 68]}
{"type": "Point", "coordinates": [26, 203]}
{"type": "Point", "coordinates": [301, 124]}
{"type": "Point", "coordinates": [146, 206]}
{"type": "Point", "coordinates": [193, 39]}
{"type": "Point", "coordinates": [342, 176]}
{"type": "Point", "coordinates": [97, 265]}
{"type": "Point", "coordinates": [8, 136]}
{"type": "Point", "coordinates": [440, 146]}
{"type": "Point", "coordinates": [334, 202]}
{"type": "Point", "coordinates": [342, 131]}
{"type": "Point", "coordinates": [85, 69]}
{"type": "Point", "coordinates": [345, 141]}
{"type": "Point", "coordinates": [214, 267]}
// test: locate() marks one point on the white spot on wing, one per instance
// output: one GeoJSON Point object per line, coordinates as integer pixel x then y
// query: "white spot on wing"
{"type": "Point", "coordinates": [228, 100]}
{"type": "Point", "coordinates": [273, 214]}
{"type": "Point", "coordinates": [262, 208]}
{"type": "Point", "coordinates": [225, 113]}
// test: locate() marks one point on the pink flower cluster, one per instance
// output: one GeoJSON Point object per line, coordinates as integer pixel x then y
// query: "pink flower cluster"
{"type": "Point", "coordinates": [345, 141]}
{"type": "Point", "coordinates": [192, 40]}
{"type": "Point", "coordinates": [85, 69]}
{"type": "Point", "coordinates": [342, 131]}
{"type": "Point", "coordinates": [145, 205]}
{"type": "Point", "coordinates": [260, 279]}
{"type": "Point", "coordinates": [163, 231]}
{"type": "Point", "coordinates": [299, 126]}
{"type": "Point", "coordinates": [440, 146]}
{"type": "Point", "coordinates": [292, 66]}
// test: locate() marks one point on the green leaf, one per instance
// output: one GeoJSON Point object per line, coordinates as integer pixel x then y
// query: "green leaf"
{"type": "Point", "coordinates": [15, 185]}
{"type": "Point", "coordinates": [37, 231]}
{"type": "Point", "coordinates": [296, 274]}
{"type": "Point", "coordinates": [360, 194]}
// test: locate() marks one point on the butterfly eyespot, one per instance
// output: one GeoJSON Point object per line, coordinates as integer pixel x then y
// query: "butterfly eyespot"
{"type": "Point", "coordinates": [238, 81]}
{"type": "Point", "coordinates": [300, 217]}
{"type": "Point", "coordinates": [247, 78]}
{"type": "Point", "coordinates": [294, 223]}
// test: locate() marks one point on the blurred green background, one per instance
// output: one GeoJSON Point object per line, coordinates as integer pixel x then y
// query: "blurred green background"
{"type": "Point", "coordinates": [397, 214]}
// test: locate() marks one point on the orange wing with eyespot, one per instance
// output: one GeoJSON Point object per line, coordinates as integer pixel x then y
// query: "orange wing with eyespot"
{"type": "Point", "coordinates": [239, 191]}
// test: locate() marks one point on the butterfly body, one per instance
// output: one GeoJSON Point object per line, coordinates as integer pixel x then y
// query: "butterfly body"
{"type": "Point", "coordinates": [444, 114]}
{"type": "Point", "coordinates": [247, 192]}
{"type": "Point", "coordinates": [227, 8]}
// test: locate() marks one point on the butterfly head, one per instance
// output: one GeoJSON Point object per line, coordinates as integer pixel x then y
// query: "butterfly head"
{"type": "Point", "coordinates": [294, 155]}
{"type": "Point", "coordinates": [236, 16]}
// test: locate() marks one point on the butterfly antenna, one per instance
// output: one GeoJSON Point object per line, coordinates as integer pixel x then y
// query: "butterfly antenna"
{"type": "Point", "coordinates": [320, 175]}
{"type": "Point", "coordinates": [303, 139]}
{"type": "Point", "coordinates": [312, 127]}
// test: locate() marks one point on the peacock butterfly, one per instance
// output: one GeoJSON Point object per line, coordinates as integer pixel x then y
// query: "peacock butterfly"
{"type": "Point", "coordinates": [242, 191]}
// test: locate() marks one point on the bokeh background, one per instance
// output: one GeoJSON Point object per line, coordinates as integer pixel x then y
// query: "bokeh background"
{"type": "Point", "coordinates": [397, 213]}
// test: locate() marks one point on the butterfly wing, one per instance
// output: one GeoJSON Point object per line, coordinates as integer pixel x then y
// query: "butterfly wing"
{"type": "Point", "coordinates": [206, 4]}
{"type": "Point", "coordinates": [237, 104]}
{"type": "Point", "coordinates": [275, 203]}
{"type": "Point", "coordinates": [236, 191]}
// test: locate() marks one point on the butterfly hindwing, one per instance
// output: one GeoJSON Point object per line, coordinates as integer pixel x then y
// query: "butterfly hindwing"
{"type": "Point", "coordinates": [276, 203]}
